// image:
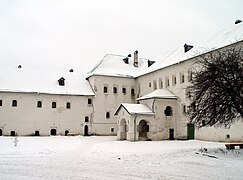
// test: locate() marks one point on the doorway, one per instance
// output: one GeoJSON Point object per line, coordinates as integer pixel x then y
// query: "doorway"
{"type": "Point", "coordinates": [171, 134]}
{"type": "Point", "coordinates": [123, 129]}
{"type": "Point", "coordinates": [143, 129]}
{"type": "Point", "coordinates": [53, 132]}
{"type": "Point", "coordinates": [86, 130]}
{"type": "Point", "coordinates": [190, 131]}
{"type": "Point", "coordinates": [12, 133]}
{"type": "Point", "coordinates": [66, 132]}
{"type": "Point", "coordinates": [37, 133]}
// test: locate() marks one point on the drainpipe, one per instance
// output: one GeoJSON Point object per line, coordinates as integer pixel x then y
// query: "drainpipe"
{"type": "Point", "coordinates": [153, 105]}
{"type": "Point", "coordinates": [134, 138]}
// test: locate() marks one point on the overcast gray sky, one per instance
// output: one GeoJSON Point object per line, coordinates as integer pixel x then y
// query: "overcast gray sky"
{"type": "Point", "coordinates": [64, 34]}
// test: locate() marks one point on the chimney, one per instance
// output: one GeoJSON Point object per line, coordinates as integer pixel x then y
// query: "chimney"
{"type": "Point", "coordinates": [135, 59]}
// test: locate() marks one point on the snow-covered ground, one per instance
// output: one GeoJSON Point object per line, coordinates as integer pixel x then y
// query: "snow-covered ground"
{"type": "Point", "coordinates": [106, 158]}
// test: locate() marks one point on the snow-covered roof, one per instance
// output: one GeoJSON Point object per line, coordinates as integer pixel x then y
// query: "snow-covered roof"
{"type": "Point", "coordinates": [39, 81]}
{"type": "Point", "coordinates": [159, 94]}
{"type": "Point", "coordinates": [135, 109]}
{"type": "Point", "coordinates": [113, 65]}
{"type": "Point", "coordinates": [220, 39]}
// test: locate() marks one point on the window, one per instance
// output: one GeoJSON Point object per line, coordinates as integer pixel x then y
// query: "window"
{"type": "Point", "coordinates": [149, 84]}
{"type": "Point", "coordinates": [105, 89]}
{"type": "Point", "coordinates": [112, 129]}
{"type": "Point", "coordinates": [1, 102]}
{"type": "Point", "coordinates": [68, 105]}
{"type": "Point", "coordinates": [168, 82]}
{"type": "Point", "coordinates": [107, 115]}
{"type": "Point", "coordinates": [132, 92]}
{"type": "Point", "coordinates": [182, 79]}
{"type": "Point", "coordinates": [86, 119]}
{"type": "Point", "coordinates": [114, 90]}
{"type": "Point", "coordinates": [14, 103]}
{"type": "Point", "coordinates": [39, 104]}
{"type": "Point", "coordinates": [203, 122]}
{"type": "Point", "coordinates": [189, 76]}
{"type": "Point", "coordinates": [54, 105]}
{"type": "Point", "coordinates": [160, 84]}
{"type": "Point", "coordinates": [155, 84]}
{"type": "Point", "coordinates": [174, 80]}
{"type": "Point", "coordinates": [184, 108]}
{"type": "Point", "coordinates": [168, 111]}
{"type": "Point", "coordinates": [188, 93]}
{"type": "Point", "coordinates": [227, 136]}
{"type": "Point", "coordinates": [124, 91]}
{"type": "Point", "coordinates": [89, 101]}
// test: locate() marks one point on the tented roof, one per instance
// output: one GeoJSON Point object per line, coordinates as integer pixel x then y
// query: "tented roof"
{"type": "Point", "coordinates": [135, 109]}
{"type": "Point", "coordinates": [159, 94]}
{"type": "Point", "coordinates": [39, 81]}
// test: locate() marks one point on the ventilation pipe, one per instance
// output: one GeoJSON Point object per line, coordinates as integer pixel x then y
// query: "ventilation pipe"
{"type": "Point", "coordinates": [135, 59]}
{"type": "Point", "coordinates": [238, 21]}
{"type": "Point", "coordinates": [187, 47]}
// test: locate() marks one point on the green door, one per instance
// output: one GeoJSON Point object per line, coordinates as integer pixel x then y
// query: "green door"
{"type": "Point", "coordinates": [190, 131]}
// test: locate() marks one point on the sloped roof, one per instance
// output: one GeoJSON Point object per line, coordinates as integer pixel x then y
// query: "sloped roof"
{"type": "Point", "coordinates": [113, 65]}
{"type": "Point", "coordinates": [220, 39]}
{"type": "Point", "coordinates": [39, 81]}
{"type": "Point", "coordinates": [135, 109]}
{"type": "Point", "coordinates": [159, 94]}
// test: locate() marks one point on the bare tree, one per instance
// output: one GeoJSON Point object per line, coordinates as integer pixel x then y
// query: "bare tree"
{"type": "Point", "coordinates": [217, 88]}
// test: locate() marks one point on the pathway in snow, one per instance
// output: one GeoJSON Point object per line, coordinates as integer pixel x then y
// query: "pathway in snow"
{"type": "Point", "coordinates": [105, 158]}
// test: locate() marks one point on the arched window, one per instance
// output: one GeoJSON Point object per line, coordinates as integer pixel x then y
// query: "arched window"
{"type": "Point", "coordinates": [14, 103]}
{"type": "Point", "coordinates": [86, 119]}
{"type": "Point", "coordinates": [168, 111]}
{"type": "Point", "coordinates": [1, 102]}
{"type": "Point", "coordinates": [89, 101]}
{"type": "Point", "coordinates": [54, 105]}
{"type": "Point", "coordinates": [105, 89]}
{"type": "Point", "coordinates": [39, 104]}
{"type": "Point", "coordinates": [68, 105]}
{"type": "Point", "coordinates": [107, 115]}
{"type": "Point", "coordinates": [114, 90]}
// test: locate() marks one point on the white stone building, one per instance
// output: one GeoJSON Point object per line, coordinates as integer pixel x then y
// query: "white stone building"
{"type": "Point", "coordinates": [104, 101]}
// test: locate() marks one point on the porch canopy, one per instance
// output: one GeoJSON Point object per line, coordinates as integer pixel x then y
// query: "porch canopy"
{"type": "Point", "coordinates": [158, 94]}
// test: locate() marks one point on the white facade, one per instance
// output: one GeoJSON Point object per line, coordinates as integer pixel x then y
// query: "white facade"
{"type": "Point", "coordinates": [94, 100]}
